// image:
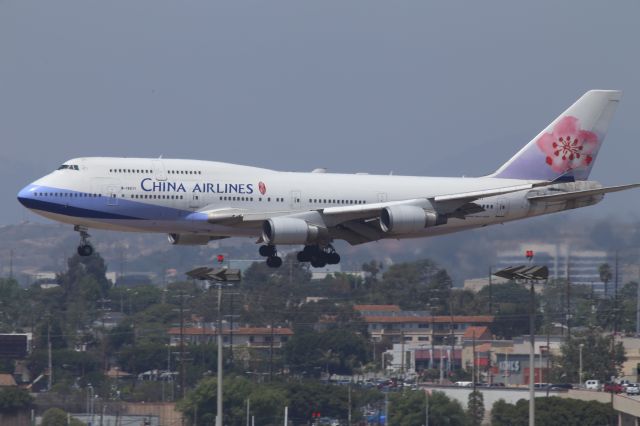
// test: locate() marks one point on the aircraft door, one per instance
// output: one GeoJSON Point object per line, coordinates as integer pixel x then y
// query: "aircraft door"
{"type": "Point", "coordinates": [194, 201]}
{"type": "Point", "coordinates": [112, 194]}
{"type": "Point", "coordinates": [382, 197]}
{"type": "Point", "coordinates": [502, 207]}
{"type": "Point", "coordinates": [158, 170]}
{"type": "Point", "coordinates": [296, 200]}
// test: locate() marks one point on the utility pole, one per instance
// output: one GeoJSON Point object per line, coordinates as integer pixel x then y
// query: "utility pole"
{"type": "Point", "coordinates": [11, 264]}
{"type": "Point", "coordinates": [490, 293]}
{"type": "Point", "coordinates": [532, 341]}
{"type": "Point", "coordinates": [50, 362]}
{"type": "Point", "coordinates": [248, 410]}
{"type": "Point", "coordinates": [638, 309]}
{"type": "Point", "coordinates": [219, 390]}
{"type": "Point", "coordinates": [271, 354]}
{"type": "Point", "coordinates": [615, 297]}
{"type": "Point", "coordinates": [426, 408]}
{"type": "Point", "coordinates": [568, 296]}
{"type": "Point", "coordinates": [183, 381]}
{"type": "Point", "coordinates": [349, 411]}
{"type": "Point", "coordinates": [402, 356]}
{"type": "Point", "coordinates": [473, 362]}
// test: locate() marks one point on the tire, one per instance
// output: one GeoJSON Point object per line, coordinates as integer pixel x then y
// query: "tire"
{"type": "Point", "coordinates": [274, 262]}
{"type": "Point", "coordinates": [318, 262]}
{"type": "Point", "coordinates": [333, 258]}
{"type": "Point", "coordinates": [267, 250]}
{"type": "Point", "coordinates": [302, 257]}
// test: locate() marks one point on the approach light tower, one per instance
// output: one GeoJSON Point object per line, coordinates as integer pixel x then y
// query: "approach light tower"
{"type": "Point", "coordinates": [528, 273]}
{"type": "Point", "coordinates": [217, 276]}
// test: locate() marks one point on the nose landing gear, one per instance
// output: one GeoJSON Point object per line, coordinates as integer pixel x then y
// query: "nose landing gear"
{"type": "Point", "coordinates": [85, 248]}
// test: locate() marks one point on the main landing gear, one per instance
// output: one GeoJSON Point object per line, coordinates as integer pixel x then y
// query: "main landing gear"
{"type": "Point", "coordinates": [85, 248]}
{"type": "Point", "coordinates": [319, 257]}
{"type": "Point", "coordinates": [269, 251]}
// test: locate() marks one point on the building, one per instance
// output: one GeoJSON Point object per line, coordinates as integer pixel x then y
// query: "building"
{"type": "Point", "coordinates": [419, 327]}
{"type": "Point", "coordinates": [563, 260]}
{"type": "Point", "coordinates": [248, 337]}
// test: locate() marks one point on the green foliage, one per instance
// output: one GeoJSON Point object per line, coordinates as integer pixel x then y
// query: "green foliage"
{"type": "Point", "coordinates": [268, 401]}
{"type": "Point", "coordinates": [14, 399]}
{"type": "Point", "coordinates": [552, 411]}
{"type": "Point", "coordinates": [334, 351]}
{"type": "Point", "coordinates": [475, 408]}
{"type": "Point", "coordinates": [11, 302]}
{"type": "Point", "coordinates": [601, 358]}
{"type": "Point", "coordinates": [511, 303]}
{"type": "Point", "coordinates": [58, 417]}
{"type": "Point", "coordinates": [408, 409]}
{"type": "Point", "coordinates": [412, 285]}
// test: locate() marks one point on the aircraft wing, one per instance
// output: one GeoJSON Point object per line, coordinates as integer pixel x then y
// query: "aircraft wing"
{"type": "Point", "coordinates": [360, 223]}
{"type": "Point", "coordinates": [565, 196]}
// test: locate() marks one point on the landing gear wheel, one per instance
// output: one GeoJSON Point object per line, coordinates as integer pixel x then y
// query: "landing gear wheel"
{"type": "Point", "coordinates": [319, 261]}
{"type": "Point", "coordinates": [333, 258]}
{"type": "Point", "coordinates": [302, 257]}
{"type": "Point", "coordinates": [274, 262]}
{"type": "Point", "coordinates": [267, 250]}
{"type": "Point", "coordinates": [85, 250]}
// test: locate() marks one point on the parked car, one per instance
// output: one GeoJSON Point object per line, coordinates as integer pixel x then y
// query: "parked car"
{"type": "Point", "coordinates": [613, 387]}
{"type": "Point", "coordinates": [592, 384]}
{"type": "Point", "coordinates": [560, 386]}
{"type": "Point", "coordinates": [464, 384]}
{"type": "Point", "coordinates": [633, 389]}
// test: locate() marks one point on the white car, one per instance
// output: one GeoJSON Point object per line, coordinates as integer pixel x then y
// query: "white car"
{"type": "Point", "coordinates": [592, 385]}
{"type": "Point", "coordinates": [633, 389]}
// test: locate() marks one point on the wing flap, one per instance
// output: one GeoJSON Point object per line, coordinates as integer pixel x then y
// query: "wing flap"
{"type": "Point", "coordinates": [565, 196]}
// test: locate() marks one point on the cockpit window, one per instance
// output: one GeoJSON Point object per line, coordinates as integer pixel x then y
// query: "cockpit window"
{"type": "Point", "coordinates": [68, 166]}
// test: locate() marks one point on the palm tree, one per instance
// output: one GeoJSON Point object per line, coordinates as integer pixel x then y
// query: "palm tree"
{"type": "Point", "coordinates": [605, 276]}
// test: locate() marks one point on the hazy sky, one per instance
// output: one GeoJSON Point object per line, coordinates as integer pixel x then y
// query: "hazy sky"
{"type": "Point", "coordinates": [414, 87]}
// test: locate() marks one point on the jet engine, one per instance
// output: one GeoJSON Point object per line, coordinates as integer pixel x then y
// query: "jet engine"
{"type": "Point", "coordinates": [189, 239]}
{"type": "Point", "coordinates": [288, 230]}
{"type": "Point", "coordinates": [408, 219]}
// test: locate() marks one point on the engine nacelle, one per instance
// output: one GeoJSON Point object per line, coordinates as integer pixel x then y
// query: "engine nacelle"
{"type": "Point", "coordinates": [289, 230]}
{"type": "Point", "coordinates": [408, 219]}
{"type": "Point", "coordinates": [188, 239]}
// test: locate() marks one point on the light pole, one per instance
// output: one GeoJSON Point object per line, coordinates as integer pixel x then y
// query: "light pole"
{"type": "Point", "coordinates": [580, 370]}
{"type": "Point", "coordinates": [529, 273]}
{"type": "Point", "coordinates": [217, 276]}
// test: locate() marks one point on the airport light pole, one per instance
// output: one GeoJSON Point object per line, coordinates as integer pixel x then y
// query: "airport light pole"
{"type": "Point", "coordinates": [530, 274]}
{"type": "Point", "coordinates": [216, 277]}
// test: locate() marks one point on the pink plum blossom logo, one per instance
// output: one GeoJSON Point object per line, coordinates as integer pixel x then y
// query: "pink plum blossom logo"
{"type": "Point", "coordinates": [262, 187]}
{"type": "Point", "coordinates": [568, 147]}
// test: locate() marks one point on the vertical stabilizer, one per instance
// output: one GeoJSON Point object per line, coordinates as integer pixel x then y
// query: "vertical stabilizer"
{"type": "Point", "coordinates": [566, 148]}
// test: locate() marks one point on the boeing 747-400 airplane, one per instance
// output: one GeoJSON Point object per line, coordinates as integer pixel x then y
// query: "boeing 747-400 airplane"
{"type": "Point", "coordinates": [196, 201]}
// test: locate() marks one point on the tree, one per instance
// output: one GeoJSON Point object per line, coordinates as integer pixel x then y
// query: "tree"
{"type": "Point", "coordinates": [267, 403]}
{"type": "Point", "coordinates": [334, 351]}
{"type": "Point", "coordinates": [475, 408]}
{"type": "Point", "coordinates": [603, 358]}
{"type": "Point", "coordinates": [58, 417]}
{"type": "Point", "coordinates": [14, 399]}
{"type": "Point", "coordinates": [552, 411]}
{"type": "Point", "coordinates": [412, 285]}
{"type": "Point", "coordinates": [511, 305]}
{"type": "Point", "coordinates": [605, 276]}
{"type": "Point", "coordinates": [407, 409]}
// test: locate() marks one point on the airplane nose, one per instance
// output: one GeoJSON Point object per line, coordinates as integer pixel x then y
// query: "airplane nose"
{"type": "Point", "coordinates": [26, 195]}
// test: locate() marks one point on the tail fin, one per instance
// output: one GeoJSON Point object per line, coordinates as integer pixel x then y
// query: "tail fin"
{"type": "Point", "coordinates": [566, 148]}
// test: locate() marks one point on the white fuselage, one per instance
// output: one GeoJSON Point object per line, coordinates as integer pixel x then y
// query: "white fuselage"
{"type": "Point", "coordinates": [170, 196]}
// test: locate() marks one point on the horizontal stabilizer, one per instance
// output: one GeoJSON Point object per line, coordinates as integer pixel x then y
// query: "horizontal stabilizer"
{"type": "Point", "coordinates": [564, 196]}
